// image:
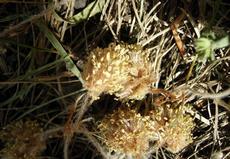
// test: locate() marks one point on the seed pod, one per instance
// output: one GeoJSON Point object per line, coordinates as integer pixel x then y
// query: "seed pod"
{"type": "Point", "coordinates": [122, 70]}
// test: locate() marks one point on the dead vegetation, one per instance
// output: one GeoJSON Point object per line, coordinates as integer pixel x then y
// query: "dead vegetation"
{"type": "Point", "coordinates": [114, 79]}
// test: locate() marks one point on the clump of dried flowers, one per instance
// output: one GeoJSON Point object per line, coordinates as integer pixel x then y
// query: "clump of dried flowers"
{"type": "Point", "coordinates": [24, 140]}
{"type": "Point", "coordinates": [123, 70]}
{"type": "Point", "coordinates": [176, 128]}
{"type": "Point", "coordinates": [126, 71]}
{"type": "Point", "coordinates": [126, 131]}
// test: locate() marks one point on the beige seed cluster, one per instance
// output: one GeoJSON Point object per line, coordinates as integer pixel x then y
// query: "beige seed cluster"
{"type": "Point", "coordinates": [24, 140]}
{"type": "Point", "coordinates": [123, 70]}
{"type": "Point", "coordinates": [177, 131]}
{"type": "Point", "coordinates": [126, 131]}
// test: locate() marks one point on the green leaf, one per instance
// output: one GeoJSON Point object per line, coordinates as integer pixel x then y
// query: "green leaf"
{"type": "Point", "coordinates": [89, 11]}
{"type": "Point", "coordinates": [60, 50]}
{"type": "Point", "coordinates": [221, 43]}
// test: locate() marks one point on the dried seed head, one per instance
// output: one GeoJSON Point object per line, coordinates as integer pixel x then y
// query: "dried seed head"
{"type": "Point", "coordinates": [168, 126]}
{"type": "Point", "coordinates": [126, 131]}
{"type": "Point", "coordinates": [122, 70]}
{"type": "Point", "coordinates": [177, 131]}
{"type": "Point", "coordinates": [23, 140]}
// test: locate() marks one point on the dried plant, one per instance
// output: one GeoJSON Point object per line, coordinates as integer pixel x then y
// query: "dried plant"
{"type": "Point", "coordinates": [175, 124]}
{"type": "Point", "coordinates": [24, 140]}
{"type": "Point", "coordinates": [189, 52]}
{"type": "Point", "coordinates": [178, 130]}
{"type": "Point", "coordinates": [123, 70]}
{"type": "Point", "coordinates": [126, 131]}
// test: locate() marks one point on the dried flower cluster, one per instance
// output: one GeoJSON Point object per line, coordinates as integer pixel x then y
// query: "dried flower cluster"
{"type": "Point", "coordinates": [126, 131]}
{"type": "Point", "coordinates": [126, 72]}
{"type": "Point", "coordinates": [24, 140]}
{"type": "Point", "coordinates": [176, 131]}
{"type": "Point", "coordinates": [123, 70]}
